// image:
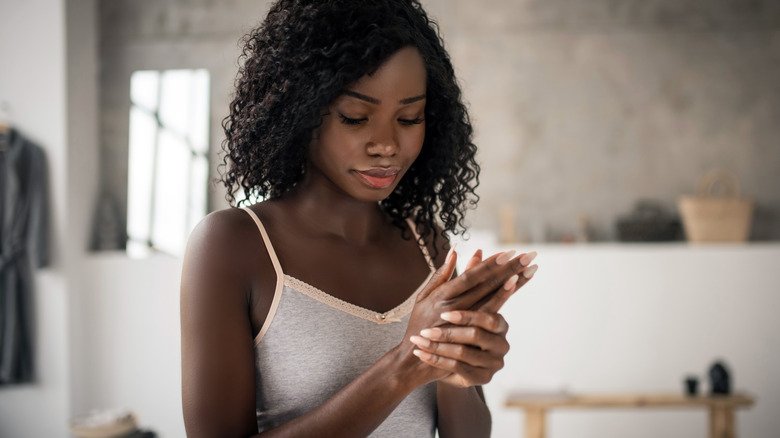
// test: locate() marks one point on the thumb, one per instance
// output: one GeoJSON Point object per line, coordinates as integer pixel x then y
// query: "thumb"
{"type": "Point", "coordinates": [442, 275]}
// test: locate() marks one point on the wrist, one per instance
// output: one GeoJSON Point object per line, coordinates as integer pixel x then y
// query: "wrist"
{"type": "Point", "coordinates": [407, 371]}
{"type": "Point", "coordinates": [447, 388]}
{"type": "Point", "coordinates": [458, 392]}
{"type": "Point", "coordinates": [463, 412]}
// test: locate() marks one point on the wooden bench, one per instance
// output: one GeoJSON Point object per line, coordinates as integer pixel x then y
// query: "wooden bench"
{"type": "Point", "coordinates": [721, 407]}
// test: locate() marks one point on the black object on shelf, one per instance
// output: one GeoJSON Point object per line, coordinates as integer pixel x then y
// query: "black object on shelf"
{"type": "Point", "coordinates": [691, 385]}
{"type": "Point", "coordinates": [648, 222]}
{"type": "Point", "coordinates": [720, 381]}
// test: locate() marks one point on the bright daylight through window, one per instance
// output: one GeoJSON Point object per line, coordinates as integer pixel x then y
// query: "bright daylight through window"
{"type": "Point", "coordinates": [168, 159]}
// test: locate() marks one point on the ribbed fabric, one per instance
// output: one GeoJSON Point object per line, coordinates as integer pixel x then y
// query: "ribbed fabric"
{"type": "Point", "coordinates": [313, 344]}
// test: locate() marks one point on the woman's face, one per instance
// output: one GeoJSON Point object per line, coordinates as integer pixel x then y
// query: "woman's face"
{"type": "Point", "coordinates": [372, 133]}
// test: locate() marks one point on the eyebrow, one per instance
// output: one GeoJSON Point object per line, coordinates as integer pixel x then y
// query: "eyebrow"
{"type": "Point", "coordinates": [376, 101]}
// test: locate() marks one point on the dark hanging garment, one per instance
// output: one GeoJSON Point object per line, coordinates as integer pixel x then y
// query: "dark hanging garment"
{"type": "Point", "coordinates": [23, 247]}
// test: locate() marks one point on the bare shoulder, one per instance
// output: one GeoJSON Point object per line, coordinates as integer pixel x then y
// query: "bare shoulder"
{"type": "Point", "coordinates": [223, 239]}
{"type": "Point", "coordinates": [228, 225]}
{"type": "Point", "coordinates": [226, 256]}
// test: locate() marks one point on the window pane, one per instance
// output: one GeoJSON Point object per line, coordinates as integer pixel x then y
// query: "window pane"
{"type": "Point", "coordinates": [198, 190]}
{"type": "Point", "coordinates": [144, 86]}
{"type": "Point", "coordinates": [168, 157]}
{"type": "Point", "coordinates": [143, 136]}
{"type": "Point", "coordinates": [175, 100]}
{"type": "Point", "coordinates": [199, 111]}
{"type": "Point", "coordinates": [170, 226]}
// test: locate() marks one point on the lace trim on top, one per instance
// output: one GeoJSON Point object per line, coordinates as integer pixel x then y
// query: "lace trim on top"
{"type": "Point", "coordinates": [393, 315]}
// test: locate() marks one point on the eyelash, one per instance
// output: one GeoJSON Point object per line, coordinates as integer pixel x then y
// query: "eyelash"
{"type": "Point", "coordinates": [347, 121]}
{"type": "Point", "coordinates": [407, 122]}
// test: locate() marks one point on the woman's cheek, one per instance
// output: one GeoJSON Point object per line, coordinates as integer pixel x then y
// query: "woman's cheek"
{"type": "Point", "coordinates": [417, 136]}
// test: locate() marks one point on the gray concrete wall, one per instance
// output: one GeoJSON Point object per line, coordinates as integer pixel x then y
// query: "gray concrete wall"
{"type": "Point", "coordinates": [580, 108]}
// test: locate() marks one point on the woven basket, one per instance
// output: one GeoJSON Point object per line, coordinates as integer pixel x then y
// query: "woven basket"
{"type": "Point", "coordinates": [708, 218]}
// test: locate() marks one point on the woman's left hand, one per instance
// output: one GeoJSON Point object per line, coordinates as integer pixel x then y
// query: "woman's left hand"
{"type": "Point", "coordinates": [472, 347]}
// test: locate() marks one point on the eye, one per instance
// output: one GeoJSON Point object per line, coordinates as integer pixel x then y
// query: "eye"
{"type": "Point", "coordinates": [348, 121]}
{"type": "Point", "coordinates": [410, 122]}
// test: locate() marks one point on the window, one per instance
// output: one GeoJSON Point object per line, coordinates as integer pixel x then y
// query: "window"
{"type": "Point", "coordinates": [168, 159]}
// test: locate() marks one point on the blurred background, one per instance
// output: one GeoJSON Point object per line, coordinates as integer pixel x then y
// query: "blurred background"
{"type": "Point", "coordinates": [592, 118]}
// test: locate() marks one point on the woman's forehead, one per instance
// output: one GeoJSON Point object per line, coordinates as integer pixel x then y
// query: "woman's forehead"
{"type": "Point", "coordinates": [401, 77]}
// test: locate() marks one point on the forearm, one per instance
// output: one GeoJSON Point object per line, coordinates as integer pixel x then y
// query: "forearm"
{"type": "Point", "coordinates": [462, 412]}
{"type": "Point", "coordinates": [361, 406]}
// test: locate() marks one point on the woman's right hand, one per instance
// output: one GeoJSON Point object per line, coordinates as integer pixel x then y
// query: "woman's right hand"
{"type": "Point", "coordinates": [479, 287]}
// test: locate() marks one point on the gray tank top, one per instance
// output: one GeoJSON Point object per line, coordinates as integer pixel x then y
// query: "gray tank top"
{"type": "Point", "coordinates": [312, 344]}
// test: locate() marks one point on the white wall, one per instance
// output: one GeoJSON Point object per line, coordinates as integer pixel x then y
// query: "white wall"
{"type": "Point", "coordinates": [83, 158]}
{"type": "Point", "coordinates": [609, 318]}
{"type": "Point", "coordinates": [32, 81]}
{"type": "Point", "coordinates": [132, 353]}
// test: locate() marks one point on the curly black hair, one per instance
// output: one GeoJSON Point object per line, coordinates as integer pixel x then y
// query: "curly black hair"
{"type": "Point", "coordinates": [300, 59]}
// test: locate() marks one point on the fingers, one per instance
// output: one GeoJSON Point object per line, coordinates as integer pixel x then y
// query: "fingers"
{"type": "Point", "coordinates": [475, 283]}
{"type": "Point", "coordinates": [454, 341]}
{"type": "Point", "coordinates": [471, 348]}
{"type": "Point", "coordinates": [479, 342]}
{"type": "Point", "coordinates": [457, 357]}
{"type": "Point", "coordinates": [461, 374]}
{"type": "Point", "coordinates": [491, 322]}
{"type": "Point", "coordinates": [489, 276]}
{"type": "Point", "coordinates": [494, 302]}
{"type": "Point", "coordinates": [441, 362]}
{"type": "Point", "coordinates": [442, 275]}
{"type": "Point", "coordinates": [467, 364]}
{"type": "Point", "coordinates": [474, 260]}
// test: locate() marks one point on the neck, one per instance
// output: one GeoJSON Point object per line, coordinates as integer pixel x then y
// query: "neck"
{"type": "Point", "coordinates": [320, 205]}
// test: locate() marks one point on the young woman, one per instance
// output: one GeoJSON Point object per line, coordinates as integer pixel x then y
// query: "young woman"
{"type": "Point", "coordinates": [320, 311]}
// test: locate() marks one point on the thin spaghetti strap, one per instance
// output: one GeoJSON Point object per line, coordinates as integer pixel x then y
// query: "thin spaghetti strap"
{"type": "Point", "coordinates": [277, 269]}
{"type": "Point", "coordinates": [421, 244]}
{"type": "Point", "coordinates": [267, 241]}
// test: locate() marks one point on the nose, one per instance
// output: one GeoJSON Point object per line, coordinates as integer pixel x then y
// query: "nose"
{"type": "Point", "coordinates": [383, 141]}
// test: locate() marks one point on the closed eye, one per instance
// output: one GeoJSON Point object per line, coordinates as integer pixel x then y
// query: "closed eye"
{"type": "Point", "coordinates": [410, 122]}
{"type": "Point", "coordinates": [348, 121]}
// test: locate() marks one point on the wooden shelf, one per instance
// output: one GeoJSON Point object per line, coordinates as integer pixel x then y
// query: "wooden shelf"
{"type": "Point", "coordinates": [721, 408]}
{"type": "Point", "coordinates": [625, 400]}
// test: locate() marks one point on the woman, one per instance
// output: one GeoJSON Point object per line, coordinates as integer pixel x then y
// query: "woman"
{"type": "Point", "coordinates": [320, 311]}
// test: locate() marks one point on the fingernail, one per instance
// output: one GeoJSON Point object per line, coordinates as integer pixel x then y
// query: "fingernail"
{"type": "Point", "coordinates": [421, 354]}
{"type": "Point", "coordinates": [430, 333]}
{"type": "Point", "coordinates": [478, 254]}
{"type": "Point", "coordinates": [529, 271]}
{"type": "Point", "coordinates": [451, 316]}
{"type": "Point", "coordinates": [526, 259]}
{"type": "Point", "coordinates": [422, 342]}
{"type": "Point", "coordinates": [504, 257]}
{"type": "Point", "coordinates": [450, 252]}
{"type": "Point", "coordinates": [511, 283]}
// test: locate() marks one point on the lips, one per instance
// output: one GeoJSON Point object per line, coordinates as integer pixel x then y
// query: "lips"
{"type": "Point", "coordinates": [378, 177]}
